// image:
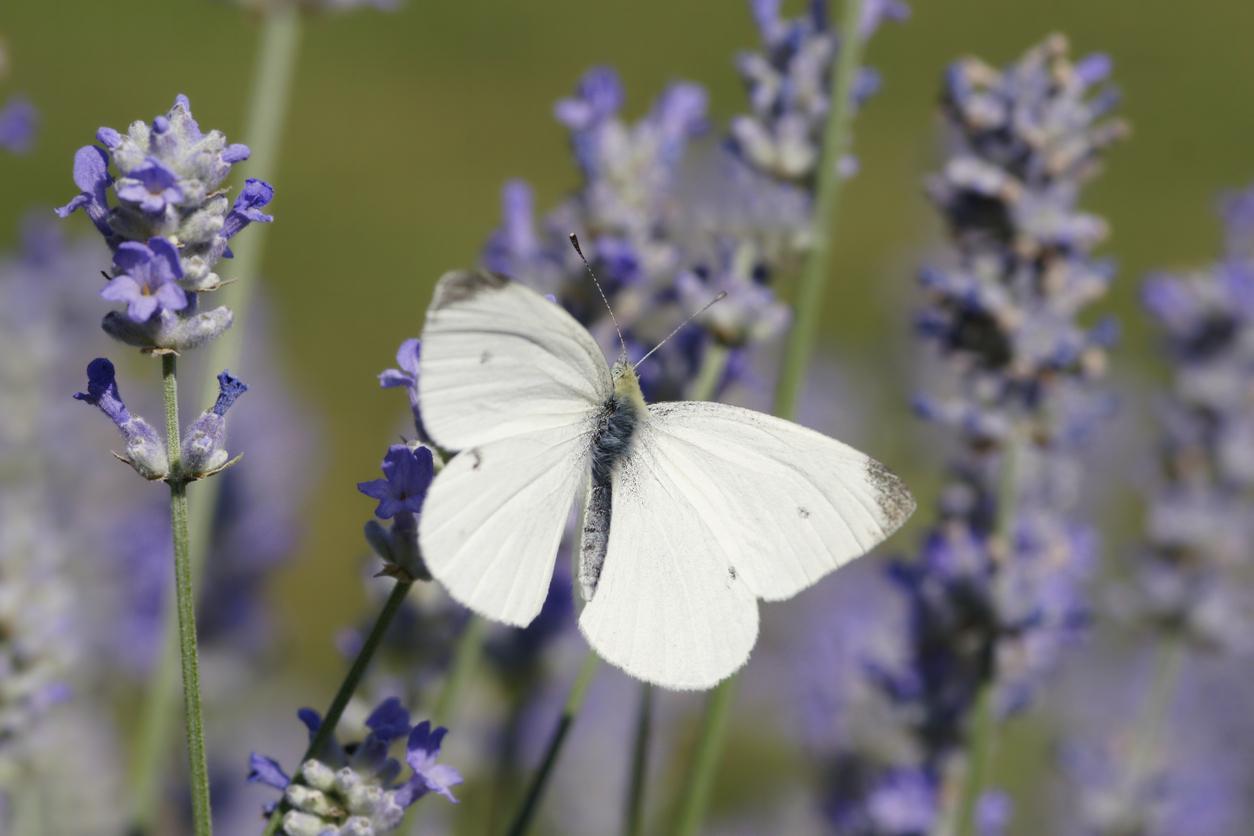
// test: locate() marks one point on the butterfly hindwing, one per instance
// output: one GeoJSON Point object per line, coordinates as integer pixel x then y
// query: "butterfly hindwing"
{"type": "Point", "coordinates": [494, 518]}
{"type": "Point", "coordinates": [796, 504]}
{"type": "Point", "coordinates": [667, 607]}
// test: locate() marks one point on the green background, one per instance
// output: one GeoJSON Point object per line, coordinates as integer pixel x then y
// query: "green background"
{"type": "Point", "coordinates": [403, 127]}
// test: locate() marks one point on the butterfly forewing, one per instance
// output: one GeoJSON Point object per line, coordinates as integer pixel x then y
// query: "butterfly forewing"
{"type": "Point", "coordinates": [499, 360]}
{"type": "Point", "coordinates": [513, 382]}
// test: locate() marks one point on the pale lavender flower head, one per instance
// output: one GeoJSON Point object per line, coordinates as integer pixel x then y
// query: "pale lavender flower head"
{"type": "Point", "coordinates": [144, 450]}
{"type": "Point", "coordinates": [18, 122]}
{"type": "Point", "coordinates": [788, 83]}
{"type": "Point", "coordinates": [358, 787]}
{"type": "Point", "coordinates": [169, 187]}
{"type": "Point", "coordinates": [145, 279]}
{"type": "Point", "coordinates": [1190, 574]}
{"type": "Point", "coordinates": [996, 591]}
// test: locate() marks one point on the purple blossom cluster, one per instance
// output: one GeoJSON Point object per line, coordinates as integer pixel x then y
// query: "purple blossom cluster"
{"type": "Point", "coordinates": [168, 221]}
{"type": "Point", "coordinates": [996, 591]}
{"type": "Point", "coordinates": [1199, 526]}
{"type": "Point", "coordinates": [355, 789]}
{"type": "Point", "coordinates": [787, 82]}
{"type": "Point", "coordinates": [1190, 586]}
{"type": "Point", "coordinates": [670, 220]}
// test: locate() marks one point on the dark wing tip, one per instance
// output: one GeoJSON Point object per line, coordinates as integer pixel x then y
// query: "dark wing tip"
{"type": "Point", "coordinates": [460, 285]}
{"type": "Point", "coordinates": [891, 495]}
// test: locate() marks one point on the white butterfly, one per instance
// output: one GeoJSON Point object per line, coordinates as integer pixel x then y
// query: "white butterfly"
{"type": "Point", "coordinates": [693, 510]}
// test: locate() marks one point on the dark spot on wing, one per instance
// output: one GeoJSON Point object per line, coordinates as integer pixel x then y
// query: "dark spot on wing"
{"type": "Point", "coordinates": [477, 456]}
{"type": "Point", "coordinates": [731, 572]}
{"type": "Point", "coordinates": [485, 357]}
{"type": "Point", "coordinates": [894, 500]}
{"type": "Point", "coordinates": [460, 285]}
{"type": "Point", "coordinates": [804, 513]}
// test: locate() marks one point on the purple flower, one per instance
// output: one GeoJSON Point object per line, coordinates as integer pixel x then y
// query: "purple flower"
{"type": "Point", "coordinates": [151, 187]}
{"type": "Point", "coordinates": [247, 207]}
{"type": "Point", "coordinates": [144, 450]}
{"type": "Point", "coordinates": [407, 474]}
{"type": "Point", "coordinates": [422, 749]}
{"type": "Point", "coordinates": [598, 97]}
{"type": "Point", "coordinates": [992, 814]}
{"type": "Point", "coordinates": [146, 278]}
{"type": "Point", "coordinates": [91, 175]}
{"type": "Point", "coordinates": [204, 444]}
{"type": "Point", "coordinates": [18, 122]}
{"type": "Point", "coordinates": [264, 770]}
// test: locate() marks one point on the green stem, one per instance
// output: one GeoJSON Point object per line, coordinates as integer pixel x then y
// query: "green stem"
{"type": "Point", "coordinates": [713, 364]}
{"type": "Point", "coordinates": [539, 782]}
{"type": "Point", "coordinates": [465, 660]}
{"type": "Point", "coordinates": [634, 818]}
{"type": "Point", "coordinates": [185, 606]}
{"type": "Point", "coordinates": [348, 687]}
{"type": "Point", "coordinates": [807, 309]}
{"type": "Point", "coordinates": [1153, 718]}
{"type": "Point", "coordinates": [270, 92]}
{"type": "Point", "coordinates": [980, 753]}
{"type": "Point", "coordinates": [985, 724]}
{"type": "Point", "coordinates": [696, 794]}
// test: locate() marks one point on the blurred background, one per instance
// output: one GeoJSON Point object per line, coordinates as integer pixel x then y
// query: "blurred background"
{"type": "Point", "coordinates": [404, 126]}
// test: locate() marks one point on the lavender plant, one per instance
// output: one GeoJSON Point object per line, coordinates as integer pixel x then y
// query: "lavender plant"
{"type": "Point", "coordinates": [168, 223]}
{"type": "Point", "coordinates": [1190, 592]}
{"type": "Point", "coordinates": [995, 594]}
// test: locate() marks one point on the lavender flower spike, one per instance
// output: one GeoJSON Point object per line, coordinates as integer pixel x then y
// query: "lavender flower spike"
{"type": "Point", "coordinates": [144, 450]}
{"type": "Point", "coordinates": [204, 447]}
{"type": "Point", "coordinates": [170, 185]}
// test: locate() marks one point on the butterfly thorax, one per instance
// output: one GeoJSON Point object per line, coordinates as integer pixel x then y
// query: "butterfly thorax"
{"type": "Point", "coordinates": [617, 422]}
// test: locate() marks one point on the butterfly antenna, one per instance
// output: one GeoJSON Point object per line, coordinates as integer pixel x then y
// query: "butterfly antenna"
{"type": "Point", "coordinates": [574, 242]}
{"type": "Point", "coordinates": [722, 294]}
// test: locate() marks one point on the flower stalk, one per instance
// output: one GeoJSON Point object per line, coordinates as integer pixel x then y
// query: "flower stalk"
{"type": "Point", "coordinates": [522, 820]}
{"type": "Point", "coordinates": [185, 605]}
{"type": "Point", "coordinates": [277, 56]}
{"type": "Point", "coordinates": [326, 731]}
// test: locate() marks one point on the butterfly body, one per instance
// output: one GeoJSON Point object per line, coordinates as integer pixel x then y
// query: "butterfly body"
{"type": "Point", "coordinates": [693, 511]}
